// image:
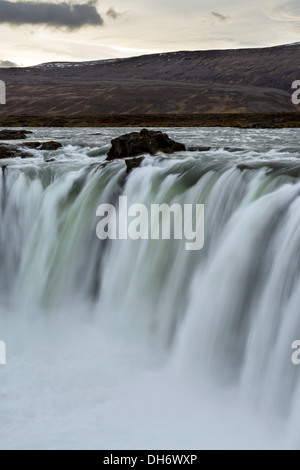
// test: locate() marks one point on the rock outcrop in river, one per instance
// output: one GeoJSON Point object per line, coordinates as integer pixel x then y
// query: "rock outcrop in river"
{"type": "Point", "coordinates": [9, 134]}
{"type": "Point", "coordinates": [144, 142]}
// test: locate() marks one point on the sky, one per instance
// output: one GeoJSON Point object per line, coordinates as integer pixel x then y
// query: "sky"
{"type": "Point", "coordinates": [35, 31]}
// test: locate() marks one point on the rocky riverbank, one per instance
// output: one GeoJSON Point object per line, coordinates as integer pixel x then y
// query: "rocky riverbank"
{"type": "Point", "coordinates": [238, 120]}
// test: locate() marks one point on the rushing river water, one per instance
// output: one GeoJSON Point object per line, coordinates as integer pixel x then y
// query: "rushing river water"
{"type": "Point", "coordinates": [129, 344]}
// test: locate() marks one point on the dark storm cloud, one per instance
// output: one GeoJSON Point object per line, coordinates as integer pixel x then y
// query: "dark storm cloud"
{"type": "Point", "coordinates": [7, 63]}
{"type": "Point", "coordinates": [58, 15]}
{"type": "Point", "coordinates": [219, 16]}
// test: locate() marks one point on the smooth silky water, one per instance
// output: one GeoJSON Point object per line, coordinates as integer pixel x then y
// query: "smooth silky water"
{"type": "Point", "coordinates": [124, 344]}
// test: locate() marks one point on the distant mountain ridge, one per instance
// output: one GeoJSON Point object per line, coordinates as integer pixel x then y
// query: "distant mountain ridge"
{"type": "Point", "coordinates": [215, 81]}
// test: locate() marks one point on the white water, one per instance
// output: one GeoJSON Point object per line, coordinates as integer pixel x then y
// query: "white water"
{"type": "Point", "coordinates": [141, 344]}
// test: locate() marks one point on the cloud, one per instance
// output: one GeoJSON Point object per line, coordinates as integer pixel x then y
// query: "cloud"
{"type": "Point", "coordinates": [57, 15]}
{"type": "Point", "coordinates": [112, 13]}
{"type": "Point", "coordinates": [219, 16]}
{"type": "Point", "coordinates": [7, 64]}
{"type": "Point", "coordinates": [125, 15]}
{"type": "Point", "coordinates": [287, 12]}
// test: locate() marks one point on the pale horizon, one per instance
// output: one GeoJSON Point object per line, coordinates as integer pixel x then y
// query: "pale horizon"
{"type": "Point", "coordinates": [141, 54]}
{"type": "Point", "coordinates": [86, 31]}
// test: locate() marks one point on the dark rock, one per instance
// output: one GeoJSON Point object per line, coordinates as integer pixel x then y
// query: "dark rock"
{"type": "Point", "coordinates": [199, 149]}
{"type": "Point", "coordinates": [50, 160]}
{"type": "Point", "coordinates": [234, 149]}
{"type": "Point", "coordinates": [43, 145]}
{"type": "Point", "coordinates": [12, 152]}
{"type": "Point", "coordinates": [138, 143]}
{"type": "Point", "coordinates": [207, 149]}
{"type": "Point", "coordinates": [133, 163]}
{"type": "Point", "coordinates": [8, 134]}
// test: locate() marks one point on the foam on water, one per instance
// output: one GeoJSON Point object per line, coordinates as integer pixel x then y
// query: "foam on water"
{"type": "Point", "coordinates": [140, 344]}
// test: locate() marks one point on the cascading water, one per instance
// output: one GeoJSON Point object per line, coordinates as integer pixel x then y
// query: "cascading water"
{"type": "Point", "coordinates": [142, 344]}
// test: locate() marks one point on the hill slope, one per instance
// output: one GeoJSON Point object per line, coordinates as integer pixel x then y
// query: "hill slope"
{"type": "Point", "coordinates": [231, 81]}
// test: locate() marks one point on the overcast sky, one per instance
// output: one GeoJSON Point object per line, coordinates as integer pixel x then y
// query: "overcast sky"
{"type": "Point", "coordinates": [33, 32]}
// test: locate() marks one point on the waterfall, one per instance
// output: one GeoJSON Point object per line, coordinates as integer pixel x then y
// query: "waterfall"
{"type": "Point", "coordinates": [74, 309]}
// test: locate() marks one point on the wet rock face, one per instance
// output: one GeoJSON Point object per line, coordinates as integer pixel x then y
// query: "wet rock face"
{"type": "Point", "coordinates": [7, 151]}
{"type": "Point", "coordinates": [8, 134]}
{"type": "Point", "coordinates": [43, 145]}
{"type": "Point", "coordinates": [12, 151]}
{"type": "Point", "coordinates": [139, 143]}
{"type": "Point", "coordinates": [133, 163]}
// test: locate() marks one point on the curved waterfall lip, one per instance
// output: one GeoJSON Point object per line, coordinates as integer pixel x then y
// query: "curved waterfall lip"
{"type": "Point", "coordinates": [114, 341]}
